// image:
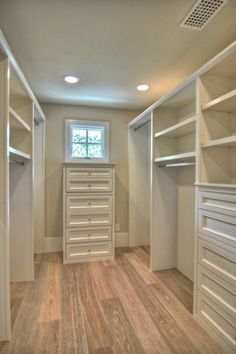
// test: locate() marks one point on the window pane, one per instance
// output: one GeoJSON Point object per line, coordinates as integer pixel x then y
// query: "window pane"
{"type": "Point", "coordinates": [95, 136]}
{"type": "Point", "coordinates": [79, 150]}
{"type": "Point", "coordinates": [95, 151]}
{"type": "Point", "coordinates": [78, 135]}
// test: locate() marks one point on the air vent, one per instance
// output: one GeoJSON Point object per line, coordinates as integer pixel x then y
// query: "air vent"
{"type": "Point", "coordinates": [201, 13]}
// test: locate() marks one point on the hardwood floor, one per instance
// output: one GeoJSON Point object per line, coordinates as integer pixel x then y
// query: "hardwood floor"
{"type": "Point", "coordinates": [105, 307]}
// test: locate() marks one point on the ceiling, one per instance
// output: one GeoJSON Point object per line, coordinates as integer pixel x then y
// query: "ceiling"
{"type": "Point", "coordinates": [112, 45]}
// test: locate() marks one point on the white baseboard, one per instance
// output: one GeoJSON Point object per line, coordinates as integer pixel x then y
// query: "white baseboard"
{"type": "Point", "coordinates": [52, 244]}
{"type": "Point", "coordinates": [55, 244]}
{"type": "Point", "coordinates": [122, 239]}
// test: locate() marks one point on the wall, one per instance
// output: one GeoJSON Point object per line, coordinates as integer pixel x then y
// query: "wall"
{"type": "Point", "coordinates": [54, 157]}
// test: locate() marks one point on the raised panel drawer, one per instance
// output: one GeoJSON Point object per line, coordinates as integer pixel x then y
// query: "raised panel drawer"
{"type": "Point", "coordinates": [220, 261]}
{"type": "Point", "coordinates": [75, 172]}
{"type": "Point", "coordinates": [77, 205]}
{"type": "Point", "coordinates": [223, 325]}
{"type": "Point", "coordinates": [218, 202]}
{"type": "Point", "coordinates": [103, 219]}
{"type": "Point", "coordinates": [87, 250]}
{"type": "Point", "coordinates": [88, 234]}
{"type": "Point", "coordinates": [89, 185]}
{"type": "Point", "coordinates": [217, 226]}
{"type": "Point", "coordinates": [220, 291]}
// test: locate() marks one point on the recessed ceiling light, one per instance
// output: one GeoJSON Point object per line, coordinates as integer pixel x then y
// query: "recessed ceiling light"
{"type": "Point", "coordinates": [71, 79]}
{"type": "Point", "coordinates": [142, 87]}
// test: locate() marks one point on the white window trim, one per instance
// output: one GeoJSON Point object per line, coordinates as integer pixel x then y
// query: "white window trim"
{"type": "Point", "coordinates": [69, 123]}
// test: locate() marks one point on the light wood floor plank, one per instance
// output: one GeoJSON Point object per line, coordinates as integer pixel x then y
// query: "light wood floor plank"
{"type": "Point", "coordinates": [103, 286]}
{"type": "Point", "coordinates": [47, 340]}
{"type": "Point", "coordinates": [25, 327]}
{"type": "Point", "coordinates": [150, 337]}
{"type": "Point", "coordinates": [177, 284]}
{"type": "Point", "coordinates": [185, 320]}
{"type": "Point", "coordinates": [73, 339]}
{"type": "Point", "coordinates": [97, 330]}
{"type": "Point", "coordinates": [143, 271]}
{"type": "Point", "coordinates": [174, 336]}
{"type": "Point", "coordinates": [123, 335]}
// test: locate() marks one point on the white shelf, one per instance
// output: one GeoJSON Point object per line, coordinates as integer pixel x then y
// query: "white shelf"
{"type": "Point", "coordinates": [185, 127]}
{"type": "Point", "coordinates": [17, 155]}
{"type": "Point", "coordinates": [185, 157]}
{"type": "Point", "coordinates": [16, 122]}
{"type": "Point", "coordinates": [229, 141]}
{"type": "Point", "coordinates": [215, 185]}
{"type": "Point", "coordinates": [224, 103]}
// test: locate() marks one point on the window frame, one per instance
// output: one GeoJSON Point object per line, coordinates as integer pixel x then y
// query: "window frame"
{"type": "Point", "coordinates": [86, 123]}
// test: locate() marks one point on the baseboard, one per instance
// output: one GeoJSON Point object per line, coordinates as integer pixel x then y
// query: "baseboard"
{"type": "Point", "coordinates": [52, 244]}
{"type": "Point", "coordinates": [122, 239]}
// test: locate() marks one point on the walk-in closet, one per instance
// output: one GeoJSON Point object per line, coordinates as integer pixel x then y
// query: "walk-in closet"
{"type": "Point", "coordinates": [118, 177]}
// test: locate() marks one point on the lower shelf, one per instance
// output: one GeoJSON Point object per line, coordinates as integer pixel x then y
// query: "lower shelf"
{"type": "Point", "coordinates": [18, 156]}
{"type": "Point", "coordinates": [184, 158]}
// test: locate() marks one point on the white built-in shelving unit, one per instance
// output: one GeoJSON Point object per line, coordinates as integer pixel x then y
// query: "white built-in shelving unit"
{"type": "Point", "coordinates": [18, 111]}
{"type": "Point", "coordinates": [192, 214]}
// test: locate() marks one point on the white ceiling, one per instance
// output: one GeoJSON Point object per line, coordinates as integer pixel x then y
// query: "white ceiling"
{"type": "Point", "coordinates": [112, 45]}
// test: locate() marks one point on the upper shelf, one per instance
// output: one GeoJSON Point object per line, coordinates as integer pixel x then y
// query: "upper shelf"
{"type": "Point", "coordinates": [229, 141]}
{"type": "Point", "coordinates": [16, 122]}
{"type": "Point", "coordinates": [224, 103]}
{"type": "Point", "coordinates": [180, 129]}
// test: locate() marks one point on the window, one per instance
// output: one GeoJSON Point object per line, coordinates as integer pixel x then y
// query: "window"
{"type": "Point", "coordinates": [86, 141]}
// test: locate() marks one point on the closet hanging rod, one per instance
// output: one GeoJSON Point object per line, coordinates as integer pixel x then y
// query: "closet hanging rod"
{"type": "Point", "coordinates": [181, 164]}
{"type": "Point", "coordinates": [18, 163]}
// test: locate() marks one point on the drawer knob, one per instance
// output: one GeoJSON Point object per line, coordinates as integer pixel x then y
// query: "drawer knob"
{"type": "Point", "coordinates": [89, 250]}
{"type": "Point", "coordinates": [89, 235]}
{"type": "Point", "coordinates": [89, 219]}
{"type": "Point", "coordinates": [89, 203]}
{"type": "Point", "coordinates": [89, 185]}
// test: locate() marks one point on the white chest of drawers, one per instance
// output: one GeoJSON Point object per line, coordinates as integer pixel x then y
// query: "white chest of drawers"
{"type": "Point", "coordinates": [88, 213]}
{"type": "Point", "coordinates": [216, 264]}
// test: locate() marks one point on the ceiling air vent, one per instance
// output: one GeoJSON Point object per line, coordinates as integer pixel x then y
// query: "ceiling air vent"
{"type": "Point", "coordinates": [201, 13]}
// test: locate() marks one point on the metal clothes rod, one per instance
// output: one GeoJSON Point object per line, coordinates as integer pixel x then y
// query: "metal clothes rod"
{"type": "Point", "coordinates": [181, 164]}
{"type": "Point", "coordinates": [18, 163]}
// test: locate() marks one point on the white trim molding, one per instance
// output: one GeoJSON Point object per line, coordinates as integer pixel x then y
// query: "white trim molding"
{"type": "Point", "coordinates": [52, 244]}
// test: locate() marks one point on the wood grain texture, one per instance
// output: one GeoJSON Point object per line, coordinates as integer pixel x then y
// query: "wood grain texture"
{"type": "Point", "coordinates": [179, 285]}
{"type": "Point", "coordinates": [110, 307]}
{"type": "Point", "coordinates": [73, 338]}
{"type": "Point", "coordinates": [47, 339]}
{"type": "Point", "coordinates": [98, 334]}
{"type": "Point", "coordinates": [100, 279]}
{"type": "Point", "coordinates": [147, 333]}
{"type": "Point", "coordinates": [171, 332]}
{"type": "Point", "coordinates": [123, 335]}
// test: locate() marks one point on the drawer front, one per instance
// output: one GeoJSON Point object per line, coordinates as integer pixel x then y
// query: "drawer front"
{"type": "Point", "coordinates": [218, 202]}
{"type": "Point", "coordinates": [103, 219]}
{"type": "Point", "coordinates": [88, 234]}
{"type": "Point", "coordinates": [89, 185]}
{"type": "Point", "coordinates": [218, 260]}
{"type": "Point", "coordinates": [77, 205]}
{"type": "Point", "coordinates": [218, 320]}
{"type": "Point", "coordinates": [220, 291]}
{"type": "Point", "coordinates": [78, 172]}
{"type": "Point", "coordinates": [217, 226]}
{"type": "Point", "coordinates": [86, 250]}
